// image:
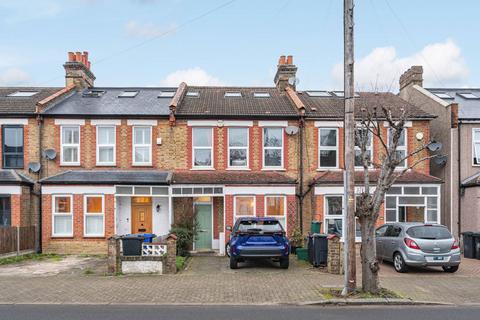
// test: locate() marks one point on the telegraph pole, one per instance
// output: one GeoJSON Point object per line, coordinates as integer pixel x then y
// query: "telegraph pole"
{"type": "Point", "coordinates": [349, 173]}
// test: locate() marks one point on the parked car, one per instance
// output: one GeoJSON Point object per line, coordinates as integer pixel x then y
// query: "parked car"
{"type": "Point", "coordinates": [417, 244]}
{"type": "Point", "coordinates": [258, 238]}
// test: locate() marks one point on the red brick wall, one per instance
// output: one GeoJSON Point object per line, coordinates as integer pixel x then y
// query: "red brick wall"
{"type": "Point", "coordinates": [16, 212]}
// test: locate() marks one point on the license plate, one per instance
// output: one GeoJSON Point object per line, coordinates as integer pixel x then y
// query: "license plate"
{"type": "Point", "coordinates": [437, 258]}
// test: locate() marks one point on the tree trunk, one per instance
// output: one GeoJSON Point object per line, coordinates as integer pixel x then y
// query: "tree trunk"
{"type": "Point", "coordinates": [368, 253]}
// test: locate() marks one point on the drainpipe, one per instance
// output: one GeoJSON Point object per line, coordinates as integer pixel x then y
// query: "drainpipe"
{"type": "Point", "coordinates": [40, 145]}
{"type": "Point", "coordinates": [301, 196]}
{"type": "Point", "coordinates": [459, 207]}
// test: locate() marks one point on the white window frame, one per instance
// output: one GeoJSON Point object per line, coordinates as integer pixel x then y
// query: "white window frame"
{"type": "Point", "coordinates": [281, 167]}
{"type": "Point", "coordinates": [235, 206]}
{"type": "Point", "coordinates": [62, 214]}
{"type": "Point", "coordinates": [142, 145]}
{"type": "Point", "coordinates": [247, 148]}
{"type": "Point", "coordinates": [369, 148]}
{"type": "Point", "coordinates": [328, 148]}
{"type": "Point", "coordinates": [99, 163]}
{"type": "Point", "coordinates": [87, 214]}
{"type": "Point", "coordinates": [400, 148]}
{"type": "Point", "coordinates": [284, 215]}
{"type": "Point", "coordinates": [202, 148]}
{"type": "Point", "coordinates": [63, 144]}
{"type": "Point", "coordinates": [473, 147]}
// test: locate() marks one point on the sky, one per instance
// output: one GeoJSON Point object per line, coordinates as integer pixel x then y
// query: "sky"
{"type": "Point", "coordinates": [238, 42]}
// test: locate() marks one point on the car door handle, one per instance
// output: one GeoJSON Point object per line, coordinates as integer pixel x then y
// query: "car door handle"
{"type": "Point", "coordinates": [393, 242]}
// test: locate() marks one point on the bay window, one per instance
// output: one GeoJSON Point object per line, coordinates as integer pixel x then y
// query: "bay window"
{"type": "Point", "coordinates": [244, 206]}
{"type": "Point", "coordinates": [238, 147]}
{"type": "Point", "coordinates": [328, 147]}
{"type": "Point", "coordinates": [12, 147]}
{"type": "Point", "coordinates": [273, 148]}
{"type": "Point", "coordinates": [106, 145]}
{"type": "Point", "coordinates": [70, 145]}
{"type": "Point", "coordinates": [62, 216]}
{"type": "Point", "coordinates": [202, 147]}
{"type": "Point", "coordinates": [94, 216]}
{"type": "Point", "coordinates": [142, 145]}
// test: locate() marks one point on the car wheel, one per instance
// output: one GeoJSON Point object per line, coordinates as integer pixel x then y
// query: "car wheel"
{"type": "Point", "coordinates": [233, 263]}
{"type": "Point", "coordinates": [284, 262]}
{"type": "Point", "coordinates": [227, 249]}
{"type": "Point", "coordinates": [450, 269]}
{"type": "Point", "coordinates": [399, 263]}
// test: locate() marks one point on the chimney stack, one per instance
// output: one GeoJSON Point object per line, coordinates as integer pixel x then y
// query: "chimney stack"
{"type": "Point", "coordinates": [285, 70]}
{"type": "Point", "coordinates": [413, 76]}
{"type": "Point", "coordinates": [77, 71]}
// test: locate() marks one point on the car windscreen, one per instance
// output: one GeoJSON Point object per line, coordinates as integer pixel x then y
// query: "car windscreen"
{"type": "Point", "coordinates": [429, 232]}
{"type": "Point", "coordinates": [253, 226]}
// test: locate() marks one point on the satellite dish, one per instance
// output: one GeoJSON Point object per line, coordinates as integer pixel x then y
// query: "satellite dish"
{"type": "Point", "coordinates": [434, 146]}
{"type": "Point", "coordinates": [293, 81]}
{"type": "Point", "coordinates": [440, 160]}
{"type": "Point", "coordinates": [291, 130]}
{"type": "Point", "coordinates": [50, 154]}
{"type": "Point", "coordinates": [34, 166]}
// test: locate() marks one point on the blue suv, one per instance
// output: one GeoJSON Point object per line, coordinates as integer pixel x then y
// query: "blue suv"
{"type": "Point", "coordinates": [258, 238]}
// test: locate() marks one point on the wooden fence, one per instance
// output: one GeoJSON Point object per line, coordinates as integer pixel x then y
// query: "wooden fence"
{"type": "Point", "coordinates": [15, 239]}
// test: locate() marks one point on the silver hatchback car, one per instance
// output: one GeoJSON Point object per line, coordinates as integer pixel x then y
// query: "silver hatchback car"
{"type": "Point", "coordinates": [417, 244]}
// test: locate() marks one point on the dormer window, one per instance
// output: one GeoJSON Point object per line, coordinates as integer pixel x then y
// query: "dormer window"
{"type": "Point", "coordinates": [468, 95]}
{"type": "Point", "coordinates": [233, 94]}
{"type": "Point", "coordinates": [128, 94]}
{"type": "Point", "coordinates": [93, 93]}
{"type": "Point", "coordinates": [319, 94]}
{"type": "Point", "coordinates": [261, 95]}
{"type": "Point", "coordinates": [166, 94]}
{"type": "Point", "coordinates": [23, 94]}
{"type": "Point", "coordinates": [194, 94]}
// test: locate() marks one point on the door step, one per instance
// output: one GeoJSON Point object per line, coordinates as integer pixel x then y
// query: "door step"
{"type": "Point", "coordinates": [204, 253]}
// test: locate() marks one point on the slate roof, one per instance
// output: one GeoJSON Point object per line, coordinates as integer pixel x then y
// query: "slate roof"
{"type": "Point", "coordinates": [22, 105]}
{"type": "Point", "coordinates": [411, 176]}
{"type": "Point", "coordinates": [467, 108]}
{"type": "Point", "coordinates": [151, 177]}
{"type": "Point", "coordinates": [145, 103]}
{"type": "Point", "coordinates": [231, 177]}
{"type": "Point", "coordinates": [10, 176]}
{"type": "Point", "coordinates": [332, 107]}
{"type": "Point", "coordinates": [212, 103]}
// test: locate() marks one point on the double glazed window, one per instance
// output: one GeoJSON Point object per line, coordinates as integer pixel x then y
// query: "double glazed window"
{"type": "Point", "coordinates": [328, 147]}
{"type": "Point", "coordinates": [106, 145]}
{"type": "Point", "coordinates": [401, 151]}
{"type": "Point", "coordinates": [142, 145]}
{"type": "Point", "coordinates": [360, 134]}
{"type": "Point", "coordinates": [275, 207]}
{"type": "Point", "coordinates": [94, 216]}
{"type": "Point", "coordinates": [12, 147]}
{"type": "Point", "coordinates": [202, 147]}
{"type": "Point", "coordinates": [244, 206]}
{"type": "Point", "coordinates": [238, 147]}
{"type": "Point", "coordinates": [476, 146]}
{"type": "Point", "coordinates": [334, 215]}
{"type": "Point", "coordinates": [62, 216]}
{"type": "Point", "coordinates": [70, 141]}
{"type": "Point", "coordinates": [5, 211]}
{"type": "Point", "coordinates": [273, 148]}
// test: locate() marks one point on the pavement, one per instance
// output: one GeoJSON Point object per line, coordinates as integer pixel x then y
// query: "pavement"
{"type": "Point", "coordinates": [128, 312]}
{"type": "Point", "coordinates": [209, 281]}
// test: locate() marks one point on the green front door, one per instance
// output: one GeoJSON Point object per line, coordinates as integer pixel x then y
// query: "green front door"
{"type": "Point", "coordinates": [204, 234]}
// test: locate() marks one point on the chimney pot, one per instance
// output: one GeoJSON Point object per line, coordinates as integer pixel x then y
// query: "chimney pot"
{"type": "Point", "coordinates": [285, 70]}
{"type": "Point", "coordinates": [78, 73]}
{"type": "Point", "coordinates": [78, 56]}
{"type": "Point", "coordinates": [289, 59]}
{"type": "Point", "coordinates": [413, 76]}
{"type": "Point", "coordinates": [71, 56]}
{"type": "Point", "coordinates": [281, 60]}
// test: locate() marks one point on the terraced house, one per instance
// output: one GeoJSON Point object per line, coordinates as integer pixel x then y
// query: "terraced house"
{"type": "Point", "coordinates": [140, 160]}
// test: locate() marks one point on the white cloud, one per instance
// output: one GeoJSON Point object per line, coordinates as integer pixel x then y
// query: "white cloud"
{"type": "Point", "coordinates": [146, 30]}
{"type": "Point", "coordinates": [194, 77]}
{"type": "Point", "coordinates": [13, 77]}
{"type": "Point", "coordinates": [442, 62]}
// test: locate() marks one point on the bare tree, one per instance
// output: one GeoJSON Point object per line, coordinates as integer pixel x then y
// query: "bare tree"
{"type": "Point", "coordinates": [370, 200]}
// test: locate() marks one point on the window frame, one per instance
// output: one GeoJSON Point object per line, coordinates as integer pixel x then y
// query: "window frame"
{"type": "Point", "coordinates": [63, 214]}
{"type": "Point", "coordinates": [93, 214]}
{"type": "Point", "coordinates": [403, 148]}
{"type": "Point", "coordinates": [235, 206]}
{"type": "Point", "coordinates": [473, 147]}
{"type": "Point", "coordinates": [328, 148]}
{"type": "Point", "coordinates": [247, 148]}
{"type": "Point", "coordinates": [282, 148]}
{"type": "Point", "coordinates": [369, 148]}
{"type": "Point", "coordinates": [194, 148]}
{"type": "Point", "coordinates": [284, 215]}
{"type": "Point", "coordinates": [114, 145]}
{"type": "Point", "coordinates": [142, 145]}
{"type": "Point", "coordinates": [5, 154]}
{"type": "Point", "coordinates": [76, 145]}
{"type": "Point", "coordinates": [9, 198]}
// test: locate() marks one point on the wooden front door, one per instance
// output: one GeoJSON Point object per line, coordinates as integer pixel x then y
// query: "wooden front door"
{"type": "Point", "coordinates": [141, 215]}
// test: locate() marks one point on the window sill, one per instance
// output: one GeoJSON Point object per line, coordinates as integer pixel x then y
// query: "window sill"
{"type": "Point", "coordinates": [203, 169]}
{"type": "Point", "coordinates": [63, 164]}
{"type": "Point", "coordinates": [273, 169]}
{"type": "Point", "coordinates": [106, 164]}
{"type": "Point", "coordinates": [62, 237]}
{"type": "Point", "coordinates": [329, 169]}
{"type": "Point", "coordinates": [238, 169]}
{"type": "Point", "coordinates": [142, 165]}
{"type": "Point", "coordinates": [94, 237]}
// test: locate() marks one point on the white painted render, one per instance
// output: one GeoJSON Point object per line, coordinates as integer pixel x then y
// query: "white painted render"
{"type": "Point", "coordinates": [8, 189]}
{"type": "Point", "coordinates": [287, 190]}
{"type": "Point", "coordinates": [21, 121]}
{"type": "Point", "coordinates": [78, 122]}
